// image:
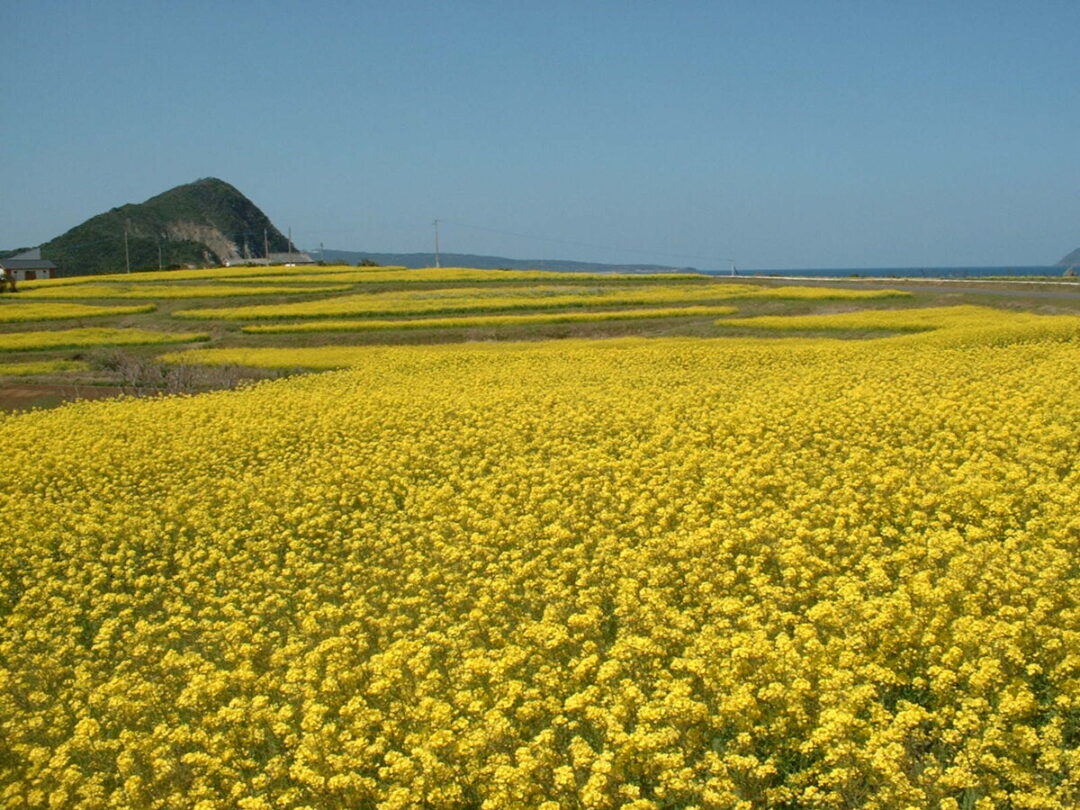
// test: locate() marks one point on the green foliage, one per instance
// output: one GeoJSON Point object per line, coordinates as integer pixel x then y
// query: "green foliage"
{"type": "Point", "coordinates": [173, 221]}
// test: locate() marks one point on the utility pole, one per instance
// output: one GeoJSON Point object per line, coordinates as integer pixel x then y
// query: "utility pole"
{"type": "Point", "coordinates": [127, 253]}
{"type": "Point", "coordinates": [437, 244]}
{"type": "Point", "coordinates": [159, 253]}
{"type": "Point", "coordinates": [291, 248]}
{"type": "Point", "coordinates": [266, 246]}
{"type": "Point", "coordinates": [322, 254]}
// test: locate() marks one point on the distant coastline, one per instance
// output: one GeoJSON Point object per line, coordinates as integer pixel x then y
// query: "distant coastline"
{"type": "Point", "coordinates": [567, 265]}
{"type": "Point", "coordinates": [901, 272]}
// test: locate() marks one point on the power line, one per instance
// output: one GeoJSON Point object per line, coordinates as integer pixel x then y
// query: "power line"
{"type": "Point", "coordinates": [112, 239]}
{"type": "Point", "coordinates": [239, 236]}
{"type": "Point", "coordinates": [534, 237]}
{"type": "Point", "coordinates": [584, 244]}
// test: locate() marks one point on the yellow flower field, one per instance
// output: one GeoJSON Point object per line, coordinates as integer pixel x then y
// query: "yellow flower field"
{"type": "Point", "coordinates": [438, 275]}
{"type": "Point", "coordinates": [43, 367]}
{"type": "Point", "coordinates": [823, 294]}
{"type": "Point", "coordinates": [601, 574]}
{"type": "Point", "coordinates": [164, 291]}
{"type": "Point", "coordinates": [481, 321]}
{"type": "Point", "coordinates": [78, 338]}
{"type": "Point", "coordinates": [347, 274]}
{"type": "Point", "coordinates": [19, 312]}
{"type": "Point", "coordinates": [965, 323]}
{"type": "Point", "coordinates": [491, 299]}
{"type": "Point", "coordinates": [278, 272]}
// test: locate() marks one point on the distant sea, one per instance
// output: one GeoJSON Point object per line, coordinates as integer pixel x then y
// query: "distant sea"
{"type": "Point", "coordinates": [899, 272]}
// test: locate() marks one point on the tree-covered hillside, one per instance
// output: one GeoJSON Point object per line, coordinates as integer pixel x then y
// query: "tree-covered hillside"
{"type": "Point", "coordinates": [202, 223]}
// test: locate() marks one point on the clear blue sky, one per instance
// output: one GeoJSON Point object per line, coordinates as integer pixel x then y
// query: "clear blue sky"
{"type": "Point", "coordinates": [784, 134]}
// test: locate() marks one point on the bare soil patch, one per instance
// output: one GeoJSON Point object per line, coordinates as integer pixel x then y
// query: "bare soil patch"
{"type": "Point", "coordinates": [24, 397]}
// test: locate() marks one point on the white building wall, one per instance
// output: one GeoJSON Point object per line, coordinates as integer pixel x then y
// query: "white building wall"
{"type": "Point", "coordinates": [31, 275]}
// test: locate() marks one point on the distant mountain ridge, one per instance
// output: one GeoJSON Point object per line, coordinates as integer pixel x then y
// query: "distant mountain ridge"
{"type": "Point", "coordinates": [204, 223]}
{"type": "Point", "coordinates": [413, 260]}
{"type": "Point", "coordinates": [1071, 260]}
{"type": "Point", "coordinates": [209, 223]}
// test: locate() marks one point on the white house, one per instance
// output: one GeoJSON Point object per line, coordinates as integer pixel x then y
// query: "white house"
{"type": "Point", "coordinates": [28, 266]}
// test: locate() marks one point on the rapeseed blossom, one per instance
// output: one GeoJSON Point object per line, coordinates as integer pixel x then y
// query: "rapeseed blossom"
{"type": "Point", "coordinates": [443, 275]}
{"type": "Point", "coordinates": [483, 321]}
{"type": "Point", "coordinates": [166, 291]}
{"type": "Point", "coordinates": [211, 274]}
{"type": "Point", "coordinates": [43, 367]}
{"type": "Point", "coordinates": [966, 325]}
{"type": "Point", "coordinates": [628, 573]}
{"type": "Point", "coordinates": [91, 336]}
{"type": "Point", "coordinates": [21, 313]}
{"type": "Point", "coordinates": [505, 298]}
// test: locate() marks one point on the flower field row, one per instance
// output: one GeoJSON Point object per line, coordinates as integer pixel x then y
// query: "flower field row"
{"type": "Point", "coordinates": [790, 293]}
{"type": "Point", "coordinates": [482, 321]}
{"type": "Point", "coordinates": [354, 275]}
{"type": "Point", "coordinates": [942, 326]}
{"type": "Point", "coordinates": [625, 573]}
{"type": "Point", "coordinates": [436, 275]}
{"type": "Point", "coordinates": [19, 312]}
{"type": "Point", "coordinates": [324, 358]}
{"type": "Point", "coordinates": [966, 323]}
{"type": "Point", "coordinates": [80, 338]}
{"type": "Point", "coordinates": [450, 300]}
{"type": "Point", "coordinates": [280, 273]}
{"type": "Point", "coordinates": [167, 291]}
{"type": "Point", "coordinates": [43, 367]}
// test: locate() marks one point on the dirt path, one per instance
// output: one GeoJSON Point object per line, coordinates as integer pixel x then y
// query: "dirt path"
{"type": "Point", "coordinates": [24, 397]}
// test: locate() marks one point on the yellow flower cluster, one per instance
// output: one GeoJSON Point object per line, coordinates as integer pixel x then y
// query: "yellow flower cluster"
{"type": "Point", "coordinates": [960, 323]}
{"type": "Point", "coordinates": [610, 574]}
{"type": "Point", "coordinates": [43, 367]}
{"type": "Point", "coordinates": [491, 298]}
{"type": "Point", "coordinates": [279, 273]}
{"type": "Point", "coordinates": [942, 326]}
{"type": "Point", "coordinates": [164, 291]}
{"type": "Point", "coordinates": [483, 321]}
{"type": "Point", "coordinates": [18, 313]}
{"type": "Point", "coordinates": [437, 275]}
{"type": "Point", "coordinates": [347, 274]}
{"type": "Point", "coordinates": [78, 338]}
{"type": "Point", "coordinates": [824, 294]}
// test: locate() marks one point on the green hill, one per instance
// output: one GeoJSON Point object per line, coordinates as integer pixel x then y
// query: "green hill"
{"type": "Point", "coordinates": [204, 223]}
